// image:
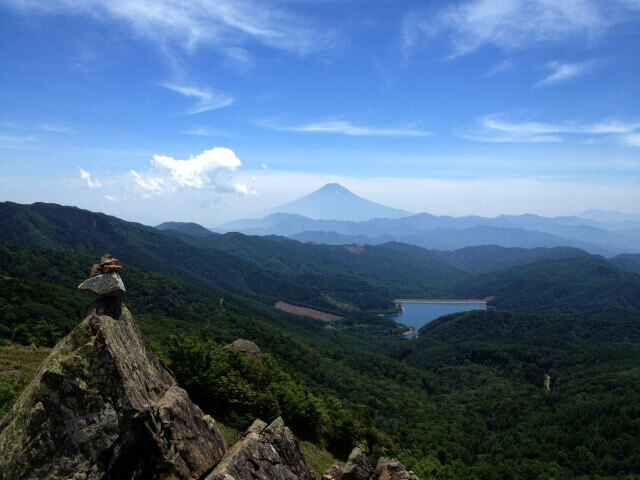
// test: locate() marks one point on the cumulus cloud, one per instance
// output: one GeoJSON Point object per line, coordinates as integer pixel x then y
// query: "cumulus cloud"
{"type": "Point", "coordinates": [92, 182]}
{"type": "Point", "coordinates": [561, 72]}
{"type": "Point", "coordinates": [264, 165]}
{"type": "Point", "coordinates": [501, 128]}
{"type": "Point", "coordinates": [205, 99]}
{"type": "Point", "coordinates": [212, 169]}
{"type": "Point", "coordinates": [471, 24]}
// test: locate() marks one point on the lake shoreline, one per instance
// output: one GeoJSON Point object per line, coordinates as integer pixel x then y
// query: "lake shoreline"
{"type": "Point", "coordinates": [440, 300]}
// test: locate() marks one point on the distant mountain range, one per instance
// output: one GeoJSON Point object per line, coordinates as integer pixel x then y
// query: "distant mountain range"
{"type": "Point", "coordinates": [596, 231]}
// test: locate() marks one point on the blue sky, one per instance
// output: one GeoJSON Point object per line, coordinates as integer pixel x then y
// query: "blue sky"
{"type": "Point", "coordinates": [212, 110]}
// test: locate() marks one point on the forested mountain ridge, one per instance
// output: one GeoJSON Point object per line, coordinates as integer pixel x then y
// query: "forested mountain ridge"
{"type": "Point", "coordinates": [475, 397]}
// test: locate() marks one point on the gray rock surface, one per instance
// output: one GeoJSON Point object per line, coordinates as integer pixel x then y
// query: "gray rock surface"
{"type": "Point", "coordinates": [265, 453]}
{"type": "Point", "coordinates": [244, 346]}
{"type": "Point", "coordinates": [357, 467]}
{"type": "Point", "coordinates": [104, 285]}
{"type": "Point", "coordinates": [103, 406]}
{"type": "Point", "coordinates": [392, 469]}
{"type": "Point", "coordinates": [334, 472]}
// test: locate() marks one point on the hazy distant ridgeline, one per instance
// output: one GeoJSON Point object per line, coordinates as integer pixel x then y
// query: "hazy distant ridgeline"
{"type": "Point", "coordinates": [327, 216]}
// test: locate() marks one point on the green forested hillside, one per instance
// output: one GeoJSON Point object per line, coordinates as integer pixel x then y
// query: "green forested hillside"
{"type": "Point", "coordinates": [567, 285]}
{"type": "Point", "coordinates": [72, 229]}
{"type": "Point", "coordinates": [404, 275]}
{"type": "Point", "coordinates": [465, 399]}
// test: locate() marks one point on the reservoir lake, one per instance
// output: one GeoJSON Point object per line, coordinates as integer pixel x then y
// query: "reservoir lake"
{"type": "Point", "coordinates": [417, 315]}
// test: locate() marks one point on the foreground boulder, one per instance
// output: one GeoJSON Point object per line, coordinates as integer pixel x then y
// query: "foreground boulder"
{"type": "Point", "coordinates": [265, 453]}
{"type": "Point", "coordinates": [103, 406]}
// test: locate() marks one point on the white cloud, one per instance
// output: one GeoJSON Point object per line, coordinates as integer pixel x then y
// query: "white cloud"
{"type": "Point", "coordinates": [92, 182]}
{"type": "Point", "coordinates": [111, 198]}
{"type": "Point", "coordinates": [53, 128]}
{"type": "Point", "coordinates": [503, 66]}
{"type": "Point", "coordinates": [149, 184]}
{"type": "Point", "coordinates": [192, 23]}
{"type": "Point", "coordinates": [561, 72]}
{"type": "Point", "coordinates": [206, 132]}
{"type": "Point", "coordinates": [264, 165]}
{"type": "Point", "coordinates": [499, 128]}
{"type": "Point", "coordinates": [343, 128]}
{"type": "Point", "coordinates": [205, 99]}
{"type": "Point", "coordinates": [632, 139]}
{"type": "Point", "coordinates": [471, 24]}
{"type": "Point", "coordinates": [212, 169]}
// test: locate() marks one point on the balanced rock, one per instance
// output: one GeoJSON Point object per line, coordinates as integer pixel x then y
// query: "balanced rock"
{"type": "Point", "coordinates": [392, 469]}
{"type": "Point", "coordinates": [357, 467]}
{"type": "Point", "coordinates": [247, 347]}
{"type": "Point", "coordinates": [265, 453]}
{"type": "Point", "coordinates": [103, 406]}
{"type": "Point", "coordinates": [104, 285]}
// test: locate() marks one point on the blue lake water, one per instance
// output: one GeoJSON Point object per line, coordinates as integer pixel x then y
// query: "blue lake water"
{"type": "Point", "coordinates": [417, 315]}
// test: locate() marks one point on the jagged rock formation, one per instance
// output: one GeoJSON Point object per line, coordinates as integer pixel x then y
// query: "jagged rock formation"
{"type": "Point", "coordinates": [357, 468]}
{"type": "Point", "coordinates": [247, 347]}
{"type": "Point", "coordinates": [103, 406]}
{"type": "Point", "coordinates": [265, 453]}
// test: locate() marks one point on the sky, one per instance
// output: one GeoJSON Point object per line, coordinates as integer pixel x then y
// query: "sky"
{"type": "Point", "coordinates": [212, 110]}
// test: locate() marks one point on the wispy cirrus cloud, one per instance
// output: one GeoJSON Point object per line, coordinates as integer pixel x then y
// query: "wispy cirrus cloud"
{"type": "Point", "coordinates": [503, 66]}
{"type": "Point", "coordinates": [561, 72]}
{"type": "Point", "coordinates": [212, 169]}
{"type": "Point", "coordinates": [501, 128]}
{"type": "Point", "coordinates": [205, 99]}
{"type": "Point", "coordinates": [206, 132]}
{"type": "Point", "coordinates": [342, 127]}
{"type": "Point", "coordinates": [55, 128]}
{"type": "Point", "coordinates": [510, 25]}
{"type": "Point", "coordinates": [194, 23]}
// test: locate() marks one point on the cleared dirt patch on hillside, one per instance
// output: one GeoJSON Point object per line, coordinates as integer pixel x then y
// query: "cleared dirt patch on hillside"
{"type": "Point", "coordinates": [307, 312]}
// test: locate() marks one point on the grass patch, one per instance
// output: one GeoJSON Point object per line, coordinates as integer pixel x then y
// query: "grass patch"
{"type": "Point", "coordinates": [18, 365]}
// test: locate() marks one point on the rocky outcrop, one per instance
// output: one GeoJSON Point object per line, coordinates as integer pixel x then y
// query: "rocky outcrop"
{"type": "Point", "coordinates": [265, 453]}
{"type": "Point", "coordinates": [334, 472]}
{"type": "Point", "coordinates": [392, 469]}
{"type": "Point", "coordinates": [103, 406]}
{"type": "Point", "coordinates": [357, 468]}
{"type": "Point", "coordinates": [246, 347]}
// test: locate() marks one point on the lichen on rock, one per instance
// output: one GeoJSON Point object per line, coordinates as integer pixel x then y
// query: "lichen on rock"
{"type": "Point", "coordinates": [103, 406]}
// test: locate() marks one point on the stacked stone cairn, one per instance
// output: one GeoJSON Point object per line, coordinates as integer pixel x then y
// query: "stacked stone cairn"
{"type": "Point", "coordinates": [104, 280]}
